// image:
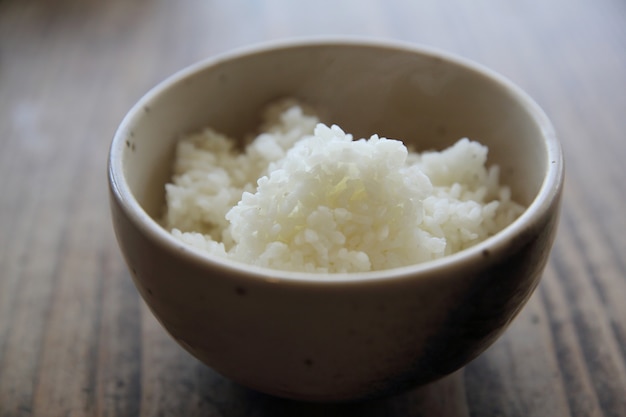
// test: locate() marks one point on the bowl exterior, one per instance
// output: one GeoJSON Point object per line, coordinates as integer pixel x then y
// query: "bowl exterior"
{"type": "Point", "coordinates": [334, 342]}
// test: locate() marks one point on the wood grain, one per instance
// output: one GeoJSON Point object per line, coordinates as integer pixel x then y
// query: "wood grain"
{"type": "Point", "coordinates": [75, 338]}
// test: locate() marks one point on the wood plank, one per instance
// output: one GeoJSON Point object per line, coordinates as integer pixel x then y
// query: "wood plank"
{"type": "Point", "coordinates": [76, 339]}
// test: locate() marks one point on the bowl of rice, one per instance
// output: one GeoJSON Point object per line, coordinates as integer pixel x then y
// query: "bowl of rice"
{"type": "Point", "coordinates": [335, 219]}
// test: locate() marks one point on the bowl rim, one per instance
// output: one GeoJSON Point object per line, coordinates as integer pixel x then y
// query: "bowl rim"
{"type": "Point", "coordinates": [545, 199]}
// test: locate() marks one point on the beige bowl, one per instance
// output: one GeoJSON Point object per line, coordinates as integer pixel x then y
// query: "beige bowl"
{"type": "Point", "coordinates": [355, 335]}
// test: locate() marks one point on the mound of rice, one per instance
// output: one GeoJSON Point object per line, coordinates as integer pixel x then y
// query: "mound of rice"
{"type": "Point", "coordinates": [303, 196]}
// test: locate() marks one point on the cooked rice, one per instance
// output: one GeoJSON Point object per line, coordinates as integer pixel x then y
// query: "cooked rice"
{"type": "Point", "coordinates": [303, 196]}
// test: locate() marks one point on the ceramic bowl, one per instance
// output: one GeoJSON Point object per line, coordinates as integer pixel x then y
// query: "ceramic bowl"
{"type": "Point", "coordinates": [349, 336]}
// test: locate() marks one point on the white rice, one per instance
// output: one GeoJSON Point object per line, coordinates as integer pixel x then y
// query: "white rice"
{"type": "Point", "coordinates": [303, 196]}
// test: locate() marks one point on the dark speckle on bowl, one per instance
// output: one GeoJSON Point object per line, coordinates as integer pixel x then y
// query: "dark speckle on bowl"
{"type": "Point", "coordinates": [308, 362]}
{"type": "Point", "coordinates": [129, 144]}
{"type": "Point", "coordinates": [241, 291]}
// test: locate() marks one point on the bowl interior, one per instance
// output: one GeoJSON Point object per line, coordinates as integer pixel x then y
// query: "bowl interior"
{"type": "Point", "coordinates": [426, 99]}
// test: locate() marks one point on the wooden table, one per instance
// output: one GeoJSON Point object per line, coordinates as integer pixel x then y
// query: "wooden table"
{"type": "Point", "coordinates": [75, 338]}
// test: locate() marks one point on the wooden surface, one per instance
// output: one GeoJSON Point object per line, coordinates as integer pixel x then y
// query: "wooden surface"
{"type": "Point", "coordinates": [75, 338]}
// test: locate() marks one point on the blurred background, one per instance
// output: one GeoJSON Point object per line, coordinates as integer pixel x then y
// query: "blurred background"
{"type": "Point", "coordinates": [75, 339]}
